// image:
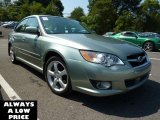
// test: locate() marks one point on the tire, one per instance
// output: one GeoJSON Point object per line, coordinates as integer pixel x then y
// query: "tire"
{"type": "Point", "coordinates": [148, 46]}
{"type": "Point", "coordinates": [12, 55]}
{"type": "Point", "coordinates": [57, 77]}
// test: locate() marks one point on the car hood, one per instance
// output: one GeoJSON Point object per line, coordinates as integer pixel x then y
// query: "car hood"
{"type": "Point", "coordinates": [99, 43]}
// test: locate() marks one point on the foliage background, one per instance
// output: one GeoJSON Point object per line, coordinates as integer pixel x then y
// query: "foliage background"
{"type": "Point", "coordinates": [103, 16]}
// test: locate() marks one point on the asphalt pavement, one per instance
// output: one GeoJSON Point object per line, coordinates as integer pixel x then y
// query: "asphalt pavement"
{"type": "Point", "coordinates": [142, 103]}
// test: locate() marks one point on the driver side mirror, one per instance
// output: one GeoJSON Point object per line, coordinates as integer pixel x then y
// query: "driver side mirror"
{"type": "Point", "coordinates": [15, 27]}
{"type": "Point", "coordinates": [32, 30]}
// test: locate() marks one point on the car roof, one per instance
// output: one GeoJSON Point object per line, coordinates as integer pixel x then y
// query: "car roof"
{"type": "Point", "coordinates": [42, 16]}
{"type": "Point", "coordinates": [128, 31]}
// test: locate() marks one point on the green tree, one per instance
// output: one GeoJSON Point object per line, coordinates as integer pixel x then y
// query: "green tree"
{"type": "Point", "coordinates": [126, 5]}
{"type": "Point", "coordinates": [109, 15]}
{"type": "Point", "coordinates": [102, 16]}
{"type": "Point", "coordinates": [36, 8]}
{"type": "Point", "coordinates": [20, 2]}
{"type": "Point", "coordinates": [127, 15]}
{"type": "Point", "coordinates": [126, 21]}
{"type": "Point", "coordinates": [3, 14]}
{"type": "Point", "coordinates": [52, 10]}
{"type": "Point", "coordinates": [7, 2]}
{"type": "Point", "coordinates": [150, 14]}
{"type": "Point", "coordinates": [59, 6]}
{"type": "Point", "coordinates": [12, 13]}
{"type": "Point", "coordinates": [54, 4]}
{"type": "Point", "coordinates": [91, 4]}
{"type": "Point", "coordinates": [77, 13]}
{"type": "Point", "coordinates": [23, 8]}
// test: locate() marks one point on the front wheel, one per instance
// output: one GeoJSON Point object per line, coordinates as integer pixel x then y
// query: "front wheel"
{"type": "Point", "coordinates": [57, 76]}
{"type": "Point", "coordinates": [148, 46]}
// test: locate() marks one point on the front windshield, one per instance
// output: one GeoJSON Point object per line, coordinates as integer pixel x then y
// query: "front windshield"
{"type": "Point", "coordinates": [59, 25]}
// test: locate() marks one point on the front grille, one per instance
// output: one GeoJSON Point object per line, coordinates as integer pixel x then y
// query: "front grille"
{"type": "Point", "coordinates": [132, 82]}
{"type": "Point", "coordinates": [137, 59]}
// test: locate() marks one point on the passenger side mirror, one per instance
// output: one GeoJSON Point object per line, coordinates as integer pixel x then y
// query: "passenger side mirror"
{"type": "Point", "coordinates": [32, 30]}
{"type": "Point", "coordinates": [136, 36]}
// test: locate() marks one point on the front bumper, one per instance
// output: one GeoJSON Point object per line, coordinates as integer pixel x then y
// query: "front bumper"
{"type": "Point", "coordinates": [123, 78]}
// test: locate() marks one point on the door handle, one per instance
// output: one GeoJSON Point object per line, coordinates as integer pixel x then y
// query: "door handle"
{"type": "Point", "coordinates": [23, 39]}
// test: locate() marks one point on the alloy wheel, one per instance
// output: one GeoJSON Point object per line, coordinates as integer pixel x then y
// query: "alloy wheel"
{"type": "Point", "coordinates": [57, 76]}
{"type": "Point", "coordinates": [12, 55]}
{"type": "Point", "coordinates": [148, 46]}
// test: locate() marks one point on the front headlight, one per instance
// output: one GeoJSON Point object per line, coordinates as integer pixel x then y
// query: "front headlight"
{"type": "Point", "coordinates": [101, 58]}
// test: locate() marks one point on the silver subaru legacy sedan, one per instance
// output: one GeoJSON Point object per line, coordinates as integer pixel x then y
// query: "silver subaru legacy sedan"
{"type": "Point", "coordinates": [73, 58]}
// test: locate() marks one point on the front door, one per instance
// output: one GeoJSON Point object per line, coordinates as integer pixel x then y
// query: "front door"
{"type": "Point", "coordinates": [131, 37]}
{"type": "Point", "coordinates": [32, 43]}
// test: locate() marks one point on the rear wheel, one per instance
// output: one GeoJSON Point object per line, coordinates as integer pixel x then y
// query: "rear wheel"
{"type": "Point", "coordinates": [148, 46]}
{"type": "Point", "coordinates": [57, 76]}
{"type": "Point", "coordinates": [12, 55]}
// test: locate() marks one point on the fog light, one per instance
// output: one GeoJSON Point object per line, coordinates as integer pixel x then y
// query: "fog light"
{"type": "Point", "coordinates": [103, 85]}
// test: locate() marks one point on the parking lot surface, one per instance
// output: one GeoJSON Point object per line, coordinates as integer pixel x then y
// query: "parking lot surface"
{"type": "Point", "coordinates": [142, 103]}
